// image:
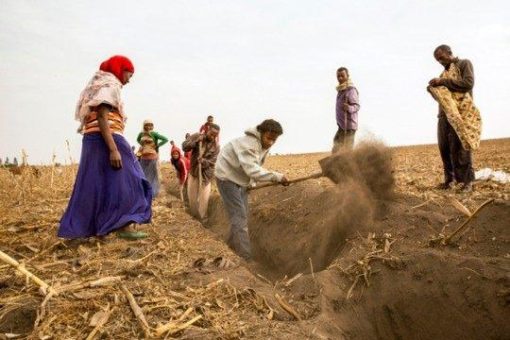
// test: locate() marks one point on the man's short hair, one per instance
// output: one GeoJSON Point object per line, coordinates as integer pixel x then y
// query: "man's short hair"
{"type": "Point", "coordinates": [444, 48]}
{"type": "Point", "coordinates": [270, 125]}
{"type": "Point", "coordinates": [209, 117]}
{"type": "Point", "coordinates": [214, 126]}
{"type": "Point", "coordinates": [340, 69]}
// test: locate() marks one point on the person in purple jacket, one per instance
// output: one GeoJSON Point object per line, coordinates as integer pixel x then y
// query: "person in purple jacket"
{"type": "Point", "coordinates": [347, 107]}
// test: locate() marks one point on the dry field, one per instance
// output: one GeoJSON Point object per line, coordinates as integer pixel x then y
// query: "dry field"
{"type": "Point", "coordinates": [332, 261]}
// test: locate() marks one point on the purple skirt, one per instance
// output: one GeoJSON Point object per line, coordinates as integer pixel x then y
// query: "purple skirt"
{"type": "Point", "coordinates": [105, 199]}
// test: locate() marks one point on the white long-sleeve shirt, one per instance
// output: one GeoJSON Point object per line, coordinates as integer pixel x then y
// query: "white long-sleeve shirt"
{"type": "Point", "coordinates": [240, 161]}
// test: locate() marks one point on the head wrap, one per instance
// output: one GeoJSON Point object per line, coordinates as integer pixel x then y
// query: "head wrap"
{"type": "Point", "coordinates": [147, 121]}
{"type": "Point", "coordinates": [116, 65]}
{"type": "Point", "coordinates": [176, 149]}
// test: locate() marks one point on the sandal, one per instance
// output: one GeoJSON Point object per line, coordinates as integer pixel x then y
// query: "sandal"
{"type": "Point", "coordinates": [132, 235]}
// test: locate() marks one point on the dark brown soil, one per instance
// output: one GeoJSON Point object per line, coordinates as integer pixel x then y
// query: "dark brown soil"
{"type": "Point", "coordinates": [446, 292]}
{"type": "Point", "coordinates": [19, 321]}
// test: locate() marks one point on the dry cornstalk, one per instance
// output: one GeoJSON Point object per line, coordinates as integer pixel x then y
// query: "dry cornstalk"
{"type": "Point", "coordinates": [142, 258]}
{"type": "Point", "coordinates": [177, 295]}
{"type": "Point", "coordinates": [172, 328]}
{"type": "Point", "coordinates": [101, 323]}
{"type": "Point", "coordinates": [44, 251]}
{"type": "Point", "coordinates": [45, 288]}
{"type": "Point", "coordinates": [311, 267]}
{"type": "Point", "coordinates": [349, 292]}
{"type": "Point", "coordinates": [264, 279]}
{"type": "Point", "coordinates": [387, 242]}
{"type": "Point", "coordinates": [270, 315]}
{"type": "Point", "coordinates": [42, 309]}
{"type": "Point", "coordinates": [463, 226]}
{"type": "Point", "coordinates": [137, 311]}
{"type": "Point", "coordinates": [53, 157]}
{"type": "Point", "coordinates": [288, 308]}
{"type": "Point", "coordinates": [171, 325]}
{"type": "Point", "coordinates": [294, 278]}
{"type": "Point", "coordinates": [102, 282]}
{"type": "Point", "coordinates": [185, 314]}
{"type": "Point", "coordinates": [460, 207]}
{"type": "Point", "coordinates": [214, 284]}
{"type": "Point", "coordinates": [69, 152]}
{"type": "Point", "coordinates": [421, 204]}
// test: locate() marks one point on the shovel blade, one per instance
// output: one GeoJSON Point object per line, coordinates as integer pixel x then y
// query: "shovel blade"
{"type": "Point", "coordinates": [333, 166]}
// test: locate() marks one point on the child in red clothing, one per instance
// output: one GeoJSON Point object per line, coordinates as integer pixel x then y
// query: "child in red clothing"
{"type": "Point", "coordinates": [182, 166]}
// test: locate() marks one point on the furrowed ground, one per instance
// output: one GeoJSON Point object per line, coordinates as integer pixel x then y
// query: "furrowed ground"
{"type": "Point", "coordinates": [382, 270]}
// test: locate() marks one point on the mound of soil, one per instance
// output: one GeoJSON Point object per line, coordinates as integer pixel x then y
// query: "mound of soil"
{"type": "Point", "coordinates": [458, 292]}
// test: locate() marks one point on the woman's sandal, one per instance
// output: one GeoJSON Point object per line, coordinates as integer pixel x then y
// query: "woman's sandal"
{"type": "Point", "coordinates": [132, 235]}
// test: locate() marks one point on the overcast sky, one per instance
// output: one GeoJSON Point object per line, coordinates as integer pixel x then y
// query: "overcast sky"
{"type": "Point", "coordinates": [245, 61]}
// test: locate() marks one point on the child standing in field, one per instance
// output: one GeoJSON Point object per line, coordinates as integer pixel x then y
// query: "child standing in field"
{"type": "Point", "coordinates": [110, 192]}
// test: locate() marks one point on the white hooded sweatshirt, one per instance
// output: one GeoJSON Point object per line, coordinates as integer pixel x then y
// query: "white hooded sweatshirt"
{"type": "Point", "coordinates": [240, 161]}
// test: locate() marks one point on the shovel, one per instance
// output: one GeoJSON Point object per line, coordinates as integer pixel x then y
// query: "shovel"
{"type": "Point", "coordinates": [328, 170]}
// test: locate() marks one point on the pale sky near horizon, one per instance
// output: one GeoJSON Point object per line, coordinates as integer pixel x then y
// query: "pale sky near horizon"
{"type": "Point", "coordinates": [245, 61]}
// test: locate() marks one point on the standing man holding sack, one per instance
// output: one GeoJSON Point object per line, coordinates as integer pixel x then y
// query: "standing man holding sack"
{"type": "Point", "coordinates": [459, 122]}
{"type": "Point", "coordinates": [240, 166]}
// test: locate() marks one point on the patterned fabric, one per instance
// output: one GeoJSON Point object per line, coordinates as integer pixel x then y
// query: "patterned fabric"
{"type": "Point", "coordinates": [148, 146]}
{"type": "Point", "coordinates": [115, 122]}
{"type": "Point", "coordinates": [103, 88]}
{"type": "Point", "coordinates": [460, 110]}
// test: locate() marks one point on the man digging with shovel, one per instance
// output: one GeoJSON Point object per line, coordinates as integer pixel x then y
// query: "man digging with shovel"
{"type": "Point", "coordinates": [239, 166]}
{"type": "Point", "coordinates": [203, 158]}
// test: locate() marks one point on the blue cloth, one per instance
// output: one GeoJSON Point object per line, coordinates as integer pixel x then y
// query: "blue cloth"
{"type": "Point", "coordinates": [150, 169]}
{"type": "Point", "coordinates": [235, 201]}
{"type": "Point", "coordinates": [105, 199]}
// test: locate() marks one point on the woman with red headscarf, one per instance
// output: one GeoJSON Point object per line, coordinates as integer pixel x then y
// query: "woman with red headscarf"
{"type": "Point", "coordinates": [110, 192]}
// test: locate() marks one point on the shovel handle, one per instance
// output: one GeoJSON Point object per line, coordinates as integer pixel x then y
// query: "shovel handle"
{"type": "Point", "coordinates": [297, 180]}
{"type": "Point", "coordinates": [200, 154]}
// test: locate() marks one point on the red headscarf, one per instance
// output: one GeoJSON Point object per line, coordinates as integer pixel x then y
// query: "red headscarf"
{"type": "Point", "coordinates": [174, 150]}
{"type": "Point", "coordinates": [117, 65]}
